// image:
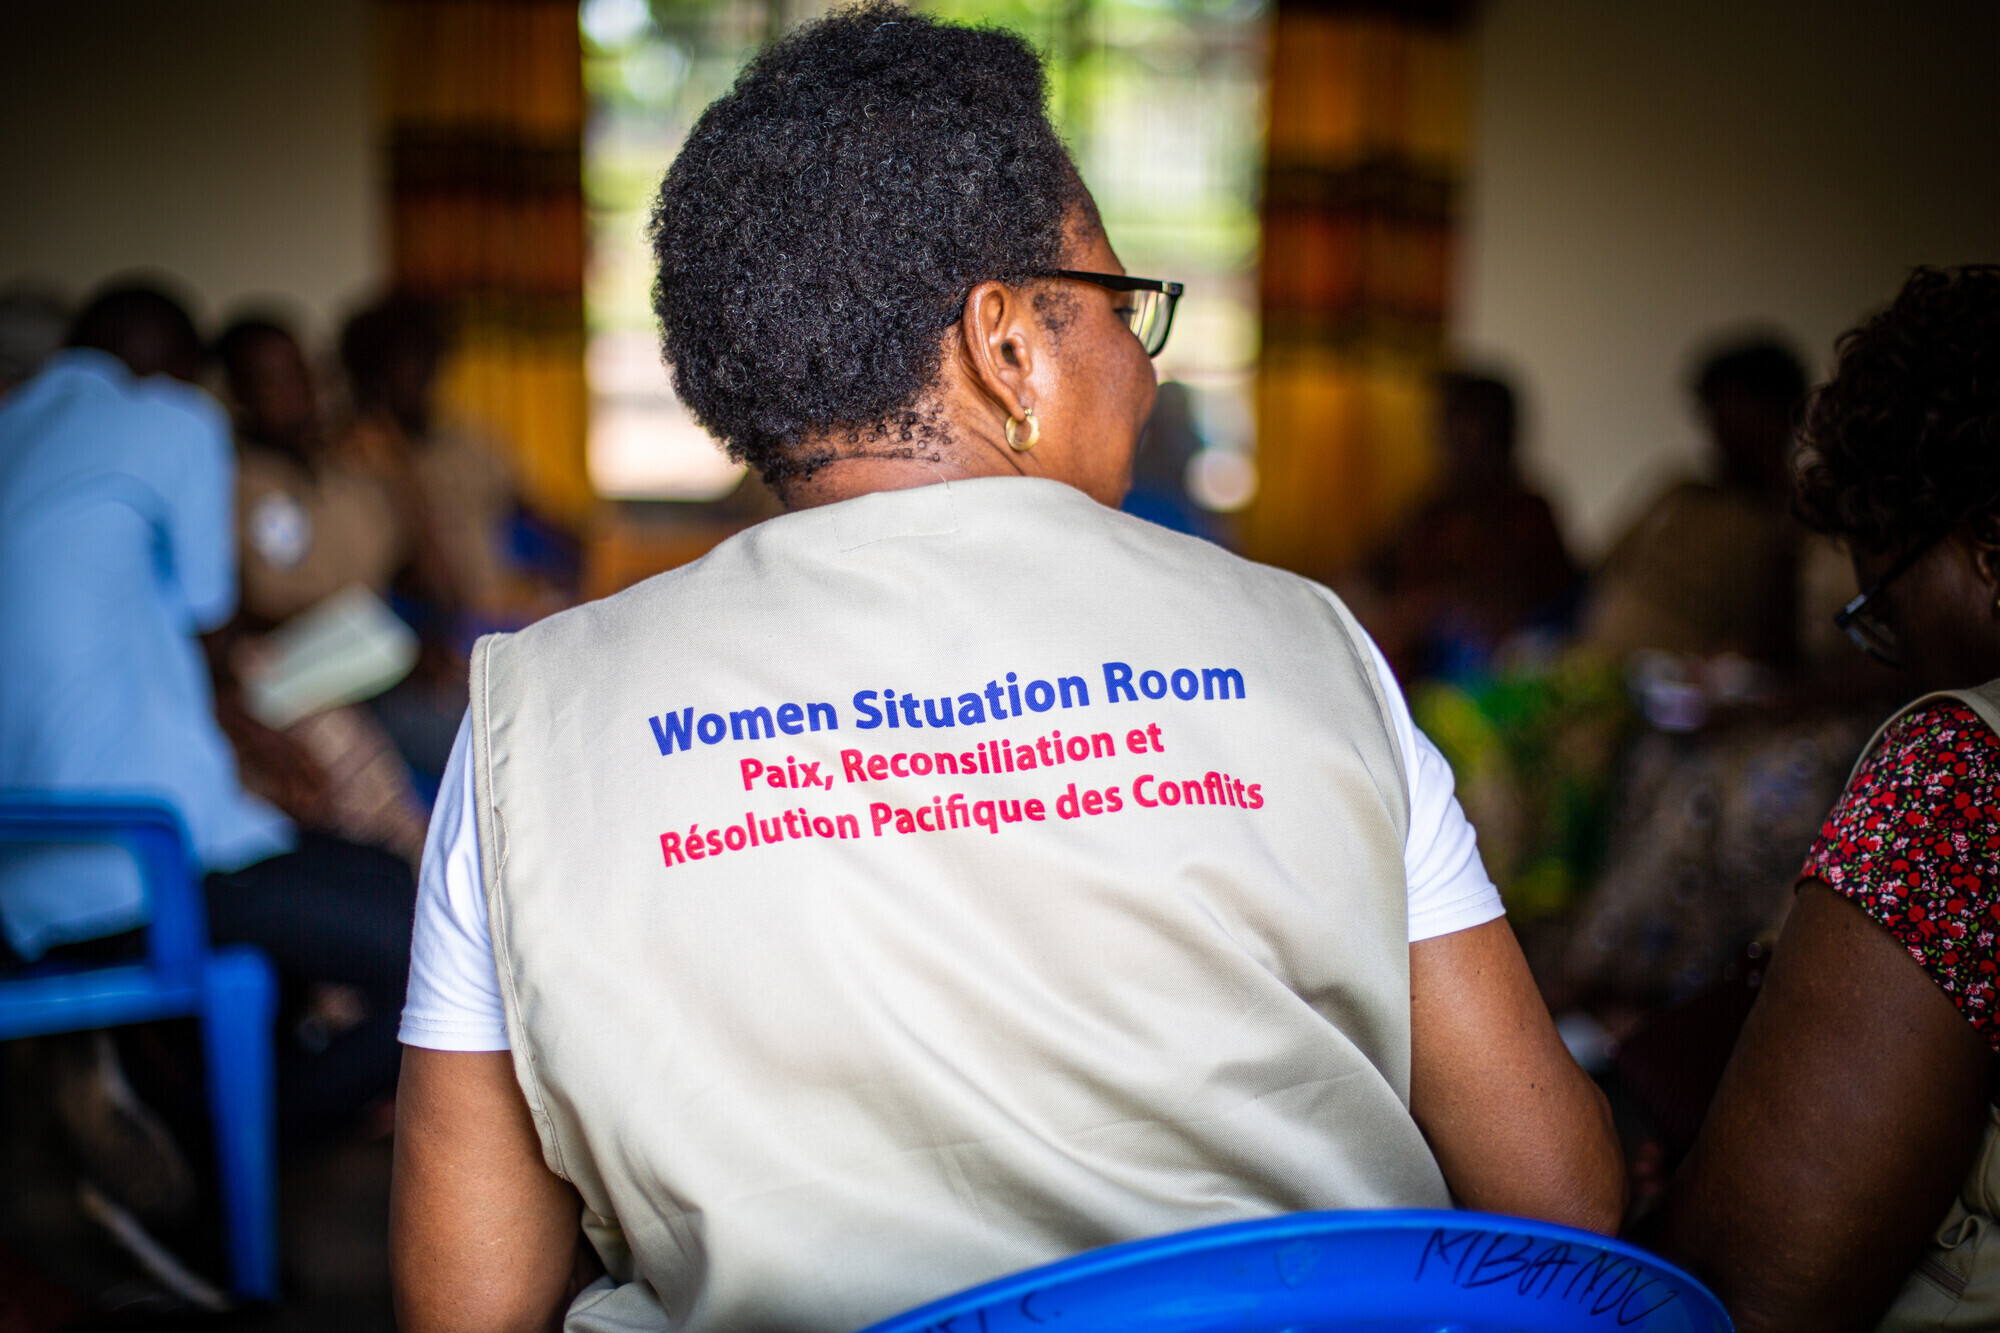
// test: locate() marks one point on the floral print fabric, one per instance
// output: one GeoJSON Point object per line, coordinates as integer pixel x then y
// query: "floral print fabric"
{"type": "Point", "coordinates": [1914, 842]}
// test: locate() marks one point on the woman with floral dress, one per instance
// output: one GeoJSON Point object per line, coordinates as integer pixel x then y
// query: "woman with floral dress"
{"type": "Point", "coordinates": [1848, 1173]}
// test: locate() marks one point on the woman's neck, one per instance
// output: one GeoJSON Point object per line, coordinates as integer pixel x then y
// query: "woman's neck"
{"type": "Point", "coordinates": [857, 475]}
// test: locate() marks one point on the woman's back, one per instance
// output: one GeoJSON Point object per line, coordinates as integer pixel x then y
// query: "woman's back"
{"type": "Point", "coordinates": [997, 1006]}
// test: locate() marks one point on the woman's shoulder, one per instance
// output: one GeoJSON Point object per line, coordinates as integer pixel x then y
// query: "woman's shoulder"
{"type": "Point", "coordinates": [1938, 748]}
{"type": "Point", "coordinates": [1914, 841]}
{"type": "Point", "coordinates": [1933, 770]}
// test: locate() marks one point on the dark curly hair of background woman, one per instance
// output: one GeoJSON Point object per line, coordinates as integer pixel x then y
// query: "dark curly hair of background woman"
{"type": "Point", "coordinates": [819, 232]}
{"type": "Point", "coordinates": [1903, 443]}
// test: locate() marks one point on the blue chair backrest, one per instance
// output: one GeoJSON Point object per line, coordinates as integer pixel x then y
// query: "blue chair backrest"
{"type": "Point", "coordinates": [177, 927]}
{"type": "Point", "coordinates": [1386, 1272]}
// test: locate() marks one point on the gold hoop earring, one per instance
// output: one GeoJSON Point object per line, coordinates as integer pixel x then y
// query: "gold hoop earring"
{"type": "Point", "coordinates": [1034, 431]}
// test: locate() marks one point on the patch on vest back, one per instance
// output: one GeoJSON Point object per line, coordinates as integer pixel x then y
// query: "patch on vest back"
{"type": "Point", "coordinates": [1132, 771]}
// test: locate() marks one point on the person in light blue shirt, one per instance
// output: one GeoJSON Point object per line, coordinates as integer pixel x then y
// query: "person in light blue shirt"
{"type": "Point", "coordinates": [116, 549]}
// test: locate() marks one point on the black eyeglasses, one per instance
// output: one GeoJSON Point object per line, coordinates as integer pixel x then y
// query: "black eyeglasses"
{"type": "Point", "coordinates": [1868, 631]}
{"type": "Point", "coordinates": [1151, 314]}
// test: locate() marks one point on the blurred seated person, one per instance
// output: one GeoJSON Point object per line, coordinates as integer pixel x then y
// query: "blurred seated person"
{"type": "Point", "coordinates": [1722, 791]}
{"type": "Point", "coordinates": [311, 521]}
{"type": "Point", "coordinates": [311, 524]}
{"type": "Point", "coordinates": [1757, 725]}
{"type": "Point", "coordinates": [465, 494]}
{"type": "Point", "coordinates": [1483, 559]}
{"type": "Point", "coordinates": [1712, 567]}
{"type": "Point", "coordinates": [1848, 1173]}
{"type": "Point", "coordinates": [457, 500]}
{"type": "Point", "coordinates": [116, 550]}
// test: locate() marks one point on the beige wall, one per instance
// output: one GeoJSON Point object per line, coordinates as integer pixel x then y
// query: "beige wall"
{"type": "Point", "coordinates": [1650, 173]}
{"type": "Point", "coordinates": [226, 141]}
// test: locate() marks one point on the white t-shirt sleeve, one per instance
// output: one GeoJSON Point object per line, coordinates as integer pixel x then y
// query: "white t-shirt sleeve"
{"type": "Point", "coordinates": [454, 997]}
{"type": "Point", "coordinates": [1448, 884]}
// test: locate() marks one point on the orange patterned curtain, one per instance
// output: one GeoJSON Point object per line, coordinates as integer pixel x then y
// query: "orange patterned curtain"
{"type": "Point", "coordinates": [483, 104]}
{"type": "Point", "coordinates": [1369, 111]}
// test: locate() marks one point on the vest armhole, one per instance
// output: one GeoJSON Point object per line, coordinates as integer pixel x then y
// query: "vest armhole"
{"type": "Point", "coordinates": [1357, 641]}
{"type": "Point", "coordinates": [492, 870]}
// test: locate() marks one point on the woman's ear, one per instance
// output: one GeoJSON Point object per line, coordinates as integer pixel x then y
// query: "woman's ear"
{"type": "Point", "coordinates": [1002, 344]}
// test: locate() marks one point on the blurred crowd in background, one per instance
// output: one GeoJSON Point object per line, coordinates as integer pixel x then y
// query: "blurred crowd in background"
{"type": "Point", "coordinates": [1645, 747]}
{"type": "Point", "coordinates": [345, 475]}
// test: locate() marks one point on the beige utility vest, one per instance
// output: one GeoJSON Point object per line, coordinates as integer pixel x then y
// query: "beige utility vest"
{"type": "Point", "coordinates": [1956, 1285]}
{"type": "Point", "coordinates": [826, 1015]}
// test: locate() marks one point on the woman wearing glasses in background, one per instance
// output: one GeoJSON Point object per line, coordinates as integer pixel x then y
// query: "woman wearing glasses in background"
{"type": "Point", "coordinates": [1850, 1164]}
{"type": "Point", "coordinates": [952, 873]}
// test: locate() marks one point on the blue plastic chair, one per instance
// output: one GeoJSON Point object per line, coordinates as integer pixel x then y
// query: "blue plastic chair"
{"type": "Point", "coordinates": [1386, 1272]}
{"type": "Point", "coordinates": [232, 991]}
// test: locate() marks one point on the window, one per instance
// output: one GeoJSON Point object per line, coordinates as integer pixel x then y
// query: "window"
{"type": "Point", "coordinates": [1161, 101]}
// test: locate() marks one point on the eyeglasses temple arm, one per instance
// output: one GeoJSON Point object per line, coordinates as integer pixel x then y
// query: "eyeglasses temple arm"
{"type": "Point", "coordinates": [1845, 616]}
